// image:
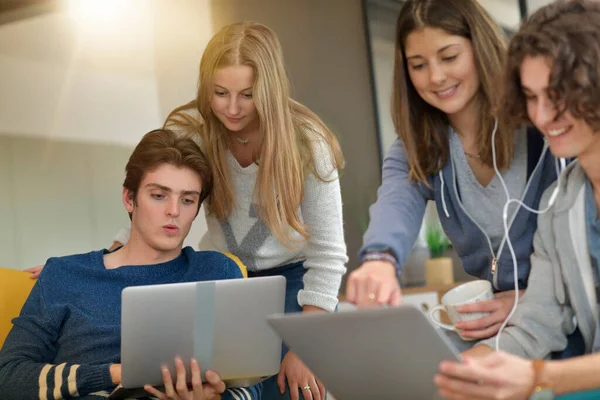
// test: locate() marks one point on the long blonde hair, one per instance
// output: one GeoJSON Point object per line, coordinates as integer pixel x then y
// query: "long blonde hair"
{"type": "Point", "coordinates": [288, 129]}
{"type": "Point", "coordinates": [422, 127]}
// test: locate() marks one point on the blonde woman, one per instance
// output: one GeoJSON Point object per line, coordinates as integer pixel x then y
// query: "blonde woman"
{"type": "Point", "coordinates": [275, 201]}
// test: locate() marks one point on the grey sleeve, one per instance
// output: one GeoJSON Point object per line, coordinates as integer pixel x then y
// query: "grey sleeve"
{"type": "Point", "coordinates": [396, 216]}
{"type": "Point", "coordinates": [541, 323]}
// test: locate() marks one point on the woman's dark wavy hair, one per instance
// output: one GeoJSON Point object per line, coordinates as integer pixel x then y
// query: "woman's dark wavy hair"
{"type": "Point", "coordinates": [567, 33]}
{"type": "Point", "coordinates": [422, 127]}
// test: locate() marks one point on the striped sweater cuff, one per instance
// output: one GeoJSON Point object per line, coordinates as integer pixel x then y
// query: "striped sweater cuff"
{"type": "Point", "coordinates": [91, 378]}
{"type": "Point", "coordinates": [240, 394]}
{"type": "Point", "coordinates": [72, 380]}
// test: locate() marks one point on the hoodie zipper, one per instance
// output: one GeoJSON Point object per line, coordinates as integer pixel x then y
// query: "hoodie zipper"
{"type": "Point", "coordinates": [494, 266]}
{"type": "Point", "coordinates": [487, 238]}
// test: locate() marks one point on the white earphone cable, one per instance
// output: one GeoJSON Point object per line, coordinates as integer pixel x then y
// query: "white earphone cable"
{"type": "Point", "coordinates": [505, 223]}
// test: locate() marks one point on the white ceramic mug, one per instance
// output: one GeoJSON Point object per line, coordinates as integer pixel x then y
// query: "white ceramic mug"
{"type": "Point", "coordinates": [470, 292]}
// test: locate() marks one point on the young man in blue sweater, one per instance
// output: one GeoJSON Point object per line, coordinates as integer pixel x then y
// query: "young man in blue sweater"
{"type": "Point", "coordinates": [66, 342]}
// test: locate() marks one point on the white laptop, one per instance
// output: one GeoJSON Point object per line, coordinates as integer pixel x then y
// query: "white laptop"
{"type": "Point", "coordinates": [383, 353]}
{"type": "Point", "coordinates": [220, 323]}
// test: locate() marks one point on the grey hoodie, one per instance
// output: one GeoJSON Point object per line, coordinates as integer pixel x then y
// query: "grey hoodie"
{"type": "Point", "coordinates": [560, 295]}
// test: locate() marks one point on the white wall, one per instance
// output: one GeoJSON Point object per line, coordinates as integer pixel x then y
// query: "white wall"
{"type": "Point", "coordinates": [60, 80]}
{"type": "Point", "coordinates": [74, 80]}
{"type": "Point", "coordinates": [182, 31]}
{"type": "Point", "coordinates": [505, 12]}
{"type": "Point", "coordinates": [58, 197]}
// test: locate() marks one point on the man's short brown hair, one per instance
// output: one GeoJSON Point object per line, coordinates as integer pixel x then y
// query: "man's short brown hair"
{"type": "Point", "coordinates": [163, 146]}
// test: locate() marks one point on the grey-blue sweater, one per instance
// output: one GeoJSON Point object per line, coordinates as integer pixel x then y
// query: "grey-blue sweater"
{"type": "Point", "coordinates": [397, 215]}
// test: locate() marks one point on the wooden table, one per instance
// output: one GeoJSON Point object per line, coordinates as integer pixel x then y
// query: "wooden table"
{"type": "Point", "coordinates": [440, 291]}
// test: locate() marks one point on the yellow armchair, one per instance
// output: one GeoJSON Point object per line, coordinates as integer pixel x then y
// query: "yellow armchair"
{"type": "Point", "coordinates": [239, 263]}
{"type": "Point", "coordinates": [14, 288]}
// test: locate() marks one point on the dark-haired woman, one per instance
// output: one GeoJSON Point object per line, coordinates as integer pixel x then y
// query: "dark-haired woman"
{"type": "Point", "coordinates": [452, 149]}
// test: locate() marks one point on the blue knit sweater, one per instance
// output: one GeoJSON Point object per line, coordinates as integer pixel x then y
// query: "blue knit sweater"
{"type": "Point", "coordinates": [69, 330]}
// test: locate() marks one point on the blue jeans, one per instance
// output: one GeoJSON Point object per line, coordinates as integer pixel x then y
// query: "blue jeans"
{"type": "Point", "coordinates": [293, 274]}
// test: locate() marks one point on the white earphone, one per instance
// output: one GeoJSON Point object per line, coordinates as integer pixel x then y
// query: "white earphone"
{"type": "Point", "coordinates": [551, 201]}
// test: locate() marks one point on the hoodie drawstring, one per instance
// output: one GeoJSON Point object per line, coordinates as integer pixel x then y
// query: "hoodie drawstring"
{"type": "Point", "coordinates": [443, 198]}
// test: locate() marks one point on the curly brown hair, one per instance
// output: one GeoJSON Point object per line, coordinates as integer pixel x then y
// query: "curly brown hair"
{"type": "Point", "coordinates": [567, 33]}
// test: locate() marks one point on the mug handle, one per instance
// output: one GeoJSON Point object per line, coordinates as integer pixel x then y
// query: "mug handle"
{"type": "Point", "coordinates": [440, 307]}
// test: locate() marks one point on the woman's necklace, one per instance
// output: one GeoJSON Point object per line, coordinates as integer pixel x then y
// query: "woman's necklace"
{"type": "Point", "coordinates": [242, 141]}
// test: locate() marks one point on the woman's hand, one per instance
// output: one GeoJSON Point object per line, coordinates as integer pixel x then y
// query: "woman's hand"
{"type": "Point", "coordinates": [374, 283]}
{"type": "Point", "coordinates": [488, 326]}
{"type": "Point", "coordinates": [299, 377]}
{"type": "Point", "coordinates": [209, 391]}
{"type": "Point", "coordinates": [34, 272]}
{"type": "Point", "coordinates": [495, 376]}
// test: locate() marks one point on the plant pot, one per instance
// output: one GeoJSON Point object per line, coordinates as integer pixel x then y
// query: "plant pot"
{"type": "Point", "coordinates": [439, 271]}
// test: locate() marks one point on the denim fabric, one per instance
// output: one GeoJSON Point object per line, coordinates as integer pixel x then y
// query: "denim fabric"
{"type": "Point", "coordinates": [293, 273]}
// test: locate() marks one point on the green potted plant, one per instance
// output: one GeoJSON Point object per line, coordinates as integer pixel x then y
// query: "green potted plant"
{"type": "Point", "coordinates": [438, 268]}
{"type": "Point", "coordinates": [436, 240]}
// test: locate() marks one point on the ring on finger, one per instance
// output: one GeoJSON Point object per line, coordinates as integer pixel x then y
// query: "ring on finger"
{"type": "Point", "coordinates": [371, 296]}
{"type": "Point", "coordinates": [306, 387]}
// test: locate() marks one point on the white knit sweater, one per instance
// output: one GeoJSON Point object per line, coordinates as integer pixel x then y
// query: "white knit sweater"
{"type": "Point", "coordinates": [248, 237]}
